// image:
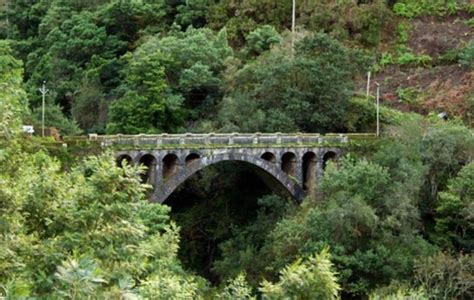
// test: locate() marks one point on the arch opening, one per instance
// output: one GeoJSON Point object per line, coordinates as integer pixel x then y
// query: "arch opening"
{"type": "Point", "coordinates": [192, 158]}
{"type": "Point", "coordinates": [170, 165]}
{"type": "Point", "coordinates": [124, 158]}
{"type": "Point", "coordinates": [328, 156]}
{"type": "Point", "coordinates": [268, 156]}
{"type": "Point", "coordinates": [272, 174]}
{"type": "Point", "coordinates": [221, 195]}
{"type": "Point", "coordinates": [288, 163]}
{"type": "Point", "coordinates": [148, 175]}
{"type": "Point", "coordinates": [309, 170]}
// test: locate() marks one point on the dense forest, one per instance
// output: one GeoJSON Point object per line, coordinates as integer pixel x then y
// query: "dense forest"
{"type": "Point", "coordinates": [393, 219]}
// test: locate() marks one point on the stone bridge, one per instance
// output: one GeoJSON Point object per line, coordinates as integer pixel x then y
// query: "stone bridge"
{"type": "Point", "coordinates": [288, 163]}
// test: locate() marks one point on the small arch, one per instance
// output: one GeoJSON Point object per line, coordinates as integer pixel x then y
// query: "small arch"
{"type": "Point", "coordinates": [309, 170]}
{"type": "Point", "coordinates": [149, 175]}
{"type": "Point", "coordinates": [170, 165]}
{"type": "Point", "coordinates": [124, 157]}
{"type": "Point", "coordinates": [328, 156]}
{"type": "Point", "coordinates": [288, 163]}
{"type": "Point", "coordinates": [268, 156]}
{"type": "Point", "coordinates": [191, 158]}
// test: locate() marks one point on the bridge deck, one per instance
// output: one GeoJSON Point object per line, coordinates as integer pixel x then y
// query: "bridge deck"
{"type": "Point", "coordinates": [227, 140]}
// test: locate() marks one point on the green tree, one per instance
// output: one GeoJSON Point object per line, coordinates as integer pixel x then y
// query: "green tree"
{"type": "Point", "coordinates": [242, 17]}
{"type": "Point", "coordinates": [125, 19]}
{"type": "Point", "coordinates": [466, 57]}
{"type": "Point", "coordinates": [14, 280]}
{"type": "Point", "coordinates": [147, 104]}
{"type": "Point", "coordinates": [71, 46]}
{"type": "Point", "coordinates": [399, 294]}
{"type": "Point", "coordinates": [444, 276]}
{"type": "Point", "coordinates": [196, 60]}
{"type": "Point", "coordinates": [261, 39]}
{"type": "Point", "coordinates": [373, 236]}
{"type": "Point", "coordinates": [422, 156]}
{"type": "Point", "coordinates": [454, 212]}
{"type": "Point", "coordinates": [309, 92]}
{"type": "Point", "coordinates": [54, 117]}
{"type": "Point", "coordinates": [193, 13]}
{"type": "Point", "coordinates": [62, 42]}
{"type": "Point", "coordinates": [90, 107]}
{"type": "Point", "coordinates": [236, 288]}
{"type": "Point", "coordinates": [24, 18]}
{"type": "Point", "coordinates": [12, 96]}
{"type": "Point", "coordinates": [183, 82]}
{"type": "Point", "coordinates": [89, 232]}
{"type": "Point", "coordinates": [445, 147]}
{"type": "Point", "coordinates": [247, 250]}
{"type": "Point", "coordinates": [313, 278]}
{"type": "Point", "coordinates": [240, 113]}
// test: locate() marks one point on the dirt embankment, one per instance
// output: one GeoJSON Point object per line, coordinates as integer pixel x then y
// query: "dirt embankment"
{"type": "Point", "coordinates": [434, 37]}
{"type": "Point", "coordinates": [443, 87]}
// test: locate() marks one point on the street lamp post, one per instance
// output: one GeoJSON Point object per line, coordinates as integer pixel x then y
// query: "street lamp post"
{"type": "Point", "coordinates": [378, 109]}
{"type": "Point", "coordinates": [43, 91]}
{"type": "Point", "coordinates": [367, 93]}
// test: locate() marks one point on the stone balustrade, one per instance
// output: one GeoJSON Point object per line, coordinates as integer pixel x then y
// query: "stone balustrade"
{"type": "Point", "coordinates": [221, 139]}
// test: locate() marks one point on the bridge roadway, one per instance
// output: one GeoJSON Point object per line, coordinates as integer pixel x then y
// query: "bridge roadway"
{"type": "Point", "coordinates": [288, 163]}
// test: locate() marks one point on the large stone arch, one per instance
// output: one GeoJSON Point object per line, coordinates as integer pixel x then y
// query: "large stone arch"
{"type": "Point", "coordinates": [165, 188]}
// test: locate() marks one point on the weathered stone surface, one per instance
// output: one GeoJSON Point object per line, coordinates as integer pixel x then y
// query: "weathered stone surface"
{"type": "Point", "coordinates": [234, 139]}
{"type": "Point", "coordinates": [169, 168]}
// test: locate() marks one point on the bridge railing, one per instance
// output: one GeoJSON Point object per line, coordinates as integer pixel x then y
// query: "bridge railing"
{"type": "Point", "coordinates": [225, 139]}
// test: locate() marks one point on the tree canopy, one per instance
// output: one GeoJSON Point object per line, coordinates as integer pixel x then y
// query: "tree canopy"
{"type": "Point", "coordinates": [391, 219]}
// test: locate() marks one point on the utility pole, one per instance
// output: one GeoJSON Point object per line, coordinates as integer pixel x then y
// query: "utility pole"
{"type": "Point", "coordinates": [293, 26]}
{"type": "Point", "coordinates": [43, 91]}
{"type": "Point", "coordinates": [378, 109]}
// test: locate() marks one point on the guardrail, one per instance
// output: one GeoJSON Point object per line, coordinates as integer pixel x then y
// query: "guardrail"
{"type": "Point", "coordinates": [209, 139]}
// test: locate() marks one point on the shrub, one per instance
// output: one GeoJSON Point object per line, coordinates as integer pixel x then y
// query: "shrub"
{"type": "Point", "coordinates": [402, 31]}
{"type": "Point", "coordinates": [236, 288]}
{"type": "Point", "coordinates": [387, 59]}
{"type": "Point", "coordinates": [405, 10]}
{"type": "Point", "coordinates": [466, 57]}
{"type": "Point", "coordinates": [455, 215]}
{"type": "Point", "coordinates": [261, 39]}
{"type": "Point", "coordinates": [402, 293]}
{"type": "Point", "coordinates": [446, 277]}
{"type": "Point", "coordinates": [368, 22]}
{"type": "Point", "coordinates": [450, 56]}
{"type": "Point", "coordinates": [310, 279]}
{"type": "Point", "coordinates": [414, 8]}
{"type": "Point", "coordinates": [408, 95]}
{"type": "Point", "coordinates": [409, 58]}
{"type": "Point", "coordinates": [470, 22]}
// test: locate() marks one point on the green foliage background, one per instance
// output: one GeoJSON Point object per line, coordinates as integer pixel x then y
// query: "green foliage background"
{"type": "Point", "coordinates": [390, 223]}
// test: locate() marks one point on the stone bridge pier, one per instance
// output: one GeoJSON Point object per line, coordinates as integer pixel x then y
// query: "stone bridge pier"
{"type": "Point", "coordinates": [288, 163]}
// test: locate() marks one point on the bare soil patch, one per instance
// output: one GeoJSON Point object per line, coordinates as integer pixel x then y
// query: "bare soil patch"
{"type": "Point", "coordinates": [442, 88]}
{"type": "Point", "coordinates": [432, 36]}
{"type": "Point", "coordinates": [439, 89]}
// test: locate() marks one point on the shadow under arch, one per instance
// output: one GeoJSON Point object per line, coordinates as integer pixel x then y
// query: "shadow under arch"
{"type": "Point", "coordinates": [124, 158]}
{"type": "Point", "coordinates": [149, 161]}
{"type": "Point", "coordinates": [271, 174]}
{"type": "Point", "coordinates": [329, 156]}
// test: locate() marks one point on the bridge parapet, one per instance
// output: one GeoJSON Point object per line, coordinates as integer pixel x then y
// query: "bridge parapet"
{"type": "Point", "coordinates": [229, 140]}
